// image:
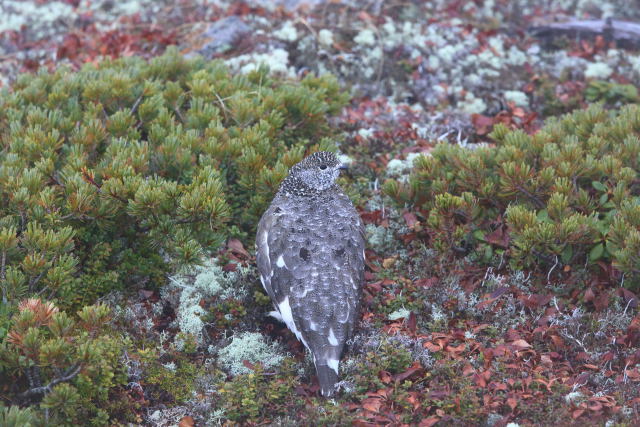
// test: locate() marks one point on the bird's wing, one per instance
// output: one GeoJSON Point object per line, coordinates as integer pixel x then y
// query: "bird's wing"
{"type": "Point", "coordinates": [354, 262]}
{"type": "Point", "coordinates": [275, 253]}
{"type": "Point", "coordinates": [263, 257]}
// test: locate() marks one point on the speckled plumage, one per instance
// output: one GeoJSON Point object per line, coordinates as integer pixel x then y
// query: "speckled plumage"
{"type": "Point", "coordinates": [310, 255]}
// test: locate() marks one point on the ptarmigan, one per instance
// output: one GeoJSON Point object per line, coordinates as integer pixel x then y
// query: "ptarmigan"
{"type": "Point", "coordinates": [310, 255]}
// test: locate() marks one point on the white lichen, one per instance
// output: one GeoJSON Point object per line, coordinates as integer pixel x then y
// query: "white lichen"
{"type": "Point", "coordinates": [472, 105]}
{"type": "Point", "coordinates": [574, 397]}
{"type": "Point", "coordinates": [252, 347]}
{"type": "Point", "coordinates": [379, 238]}
{"type": "Point", "coordinates": [366, 133]}
{"type": "Point", "coordinates": [365, 37]}
{"type": "Point", "coordinates": [203, 282]}
{"type": "Point", "coordinates": [401, 313]}
{"type": "Point", "coordinates": [287, 32]}
{"type": "Point", "coordinates": [171, 366]}
{"type": "Point", "coordinates": [325, 37]}
{"type": "Point", "coordinates": [277, 60]}
{"type": "Point", "coordinates": [344, 159]}
{"type": "Point", "coordinates": [397, 167]}
{"type": "Point", "coordinates": [519, 98]}
{"type": "Point", "coordinates": [598, 70]}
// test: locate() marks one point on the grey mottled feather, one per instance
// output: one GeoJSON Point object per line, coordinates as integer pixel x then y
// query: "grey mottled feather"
{"type": "Point", "coordinates": [310, 250]}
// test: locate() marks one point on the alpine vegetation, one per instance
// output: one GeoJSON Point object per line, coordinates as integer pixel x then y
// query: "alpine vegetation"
{"type": "Point", "coordinates": [310, 255]}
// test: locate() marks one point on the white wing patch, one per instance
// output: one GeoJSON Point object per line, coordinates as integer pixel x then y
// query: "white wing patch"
{"type": "Point", "coordinates": [276, 314]}
{"type": "Point", "coordinates": [333, 364]}
{"type": "Point", "coordinates": [332, 338]}
{"type": "Point", "coordinates": [264, 241]}
{"type": "Point", "coordinates": [287, 316]}
{"type": "Point", "coordinates": [280, 262]}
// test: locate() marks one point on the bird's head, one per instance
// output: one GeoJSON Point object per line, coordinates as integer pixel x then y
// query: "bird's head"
{"type": "Point", "coordinates": [318, 171]}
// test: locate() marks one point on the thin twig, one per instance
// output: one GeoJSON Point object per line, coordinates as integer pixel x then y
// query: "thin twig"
{"type": "Point", "coordinates": [69, 375]}
{"type": "Point", "coordinates": [539, 204]}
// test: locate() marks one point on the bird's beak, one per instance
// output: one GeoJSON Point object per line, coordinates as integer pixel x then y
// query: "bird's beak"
{"type": "Point", "coordinates": [343, 166]}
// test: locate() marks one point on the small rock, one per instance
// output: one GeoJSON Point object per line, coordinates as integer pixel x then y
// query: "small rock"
{"type": "Point", "coordinates": [221, 36]}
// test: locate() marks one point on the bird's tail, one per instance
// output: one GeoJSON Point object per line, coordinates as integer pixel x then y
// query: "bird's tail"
{"type": "Point", "coordinates": [327, 377]}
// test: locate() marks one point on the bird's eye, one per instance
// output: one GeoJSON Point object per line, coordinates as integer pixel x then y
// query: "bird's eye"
{"type": "Point", "coordinates": [323, 167]}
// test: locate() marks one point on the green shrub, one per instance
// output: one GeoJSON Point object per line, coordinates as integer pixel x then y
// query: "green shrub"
{"type": "Point", "coordinates": [569, 194]}
{"type": "Point", "coordinates": [168, 382]}
{"type": "Point", "coordinates": [14, 416]}
{"type": "Point", "coordinates": [256, 395]}
{"type": "Point", "coordinates": [610, 92]}
{"type": "Point", "coordinates": [71, 368]}
{"type": "Point", "coordinates": [114, 174]}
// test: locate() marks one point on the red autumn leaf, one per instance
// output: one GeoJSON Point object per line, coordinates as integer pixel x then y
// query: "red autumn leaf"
{"type": "Point", "coordinates": [518, 112]}
{"type": "Point", "coordinates": [557, 341]}
{"type": "Point", "coordinates": [414, 399]}
{"type": "Point", "coordinates": [589, 295]}
{"type": "Point", "coordinates": [426, 283]}
{"type": "Point", "coordinates": [633, 374]}
{"type": "Point", "coordinates": [499, 386]}
{"type": "Point", "coordinates": [601, 302]}
{"type": "Point", "coordinates": [458, 349]}
{"type": "Point", "coordinates": [481, 123]}
{"type": "Point", "coordinates": [499, 292]}
{"type": "Point", "coordinates": [364, 16]}
{"type": "Point", "coordinates": [432, 347]}
{"type": "Point", "coordinates": [468, 369]}
{"type": "Point", "coordinates": [521, 344]}
{"type": "Point", "coordinates": [407, 238]}
{"type": "Point", "coordinates": [412, 322]}
{"type": "Point", "coordinates": [368, 276]}
{"type": "Point", "coordinates": [229, 267]}
{"type": "Point", "coordinates": [371, 217]}
{"type": "Point", "coordinates": [428, 422]}
{"type": "Point", "coordinates": [237, 248]}
{"type": "Point", "coordinates": [410, 218]}
{"type": "Point", "coordinates": [372, 404]}
{"type": "Point", "coordinates": [416, 367]}
{"type": "Point", "coordinates": [580, 379]}
{"type": "Point", "coordinates": [577, 413]}
{"type": "Point", "coordinates": [483, 304]}
{"type": "Point", "coordinates": [385, 377]}
{"type": "Point", "coordinates": [482, 379]}
{"type": "Point", "coordinates": [374, 287]}
{"type": "Point", "coordinates": [594, 405]}
{"type": "Point", "coordinates": [69, 47]}
{"type": "Point", "coordinates": [629, 297]}
{"type": "Point", "coordinates": [249, 365]}
{"type": "Point", "coordinates": [186, 422]}
{"type": "Point", "coordinates": [512, 403]}
{"type": "Point", "coordinates": [498, 237]}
